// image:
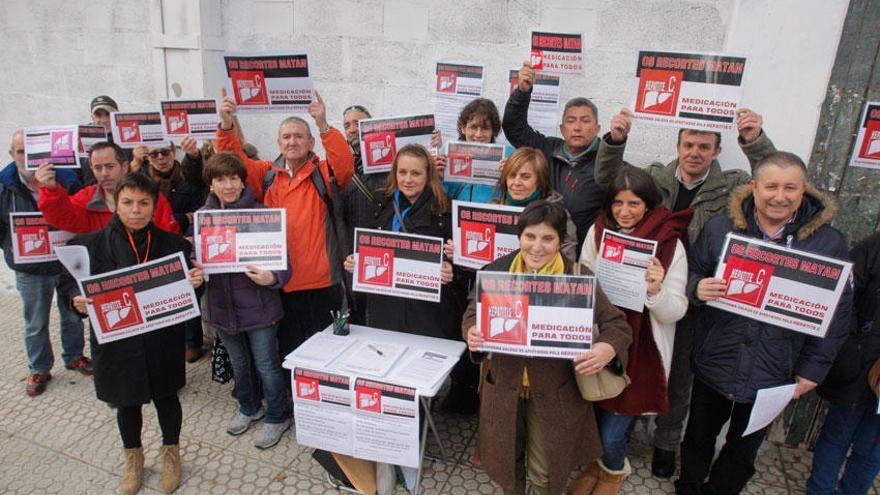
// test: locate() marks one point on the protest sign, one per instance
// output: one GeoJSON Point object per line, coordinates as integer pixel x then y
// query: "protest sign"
{"type": "Point", "coordinates": [621, 266]}
{"type": "Point", "coordinates": [544, 105]}
{"type": "Point", "coordinates": [381, 138]}
{"type": "Point", "coordinates": [548, 316]}
{"type": "Point", "coordinates": [34, 240]}
{"type": "Point", "coordinates": [131, 130]}
{"type": "Point", "coordinates": [89, 135]}
{"type": "Point", "coordinates": [323, 410]}
{"type": "Point", "coordinates": [269, 82]}
{"type": "Point", "coordinates": [51, 144]}
{"type": "Point", "coordinates": [866, 151]}
{"type": "Point", "coordinates": [189, 118]}
{"type": "Point", "coordinates": [140, 298]}
{"type": "Point", "coordinates": [482, 233]}
{"type": "Point", "coordinates": [785, 287]}
{"type": "Point", "coordinates": [455, 85]}
{"type": "Point", "coordinates": [396, 264]}
{"type": "Point", "coordinates": [693, 90]}
{"type": "Point", "coordinates": [228, 241]}
{"type": "Point", "coordinates": [386, 423]}
{"type": "Point", "coordinates": [557, 53]}
{"type": "Point", "coordinates": [473, 163]}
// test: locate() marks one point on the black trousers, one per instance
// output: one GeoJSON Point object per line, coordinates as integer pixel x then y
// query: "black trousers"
{"type": "Point", "coordinates": [736, 462]}
{"type": "Point", "coordinates": [130, 420]}
{"type": "Point", "coordinates": [306, 312]}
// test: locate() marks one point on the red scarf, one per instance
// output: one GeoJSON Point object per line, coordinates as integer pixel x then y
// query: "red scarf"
{"type": "Point", "coordinates": [647, 393]}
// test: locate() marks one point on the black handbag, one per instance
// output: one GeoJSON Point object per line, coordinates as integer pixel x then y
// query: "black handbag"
{"type": "Point", "coordinates": [221, 366]}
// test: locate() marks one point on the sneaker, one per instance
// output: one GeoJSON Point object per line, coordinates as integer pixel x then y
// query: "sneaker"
{"type": "Point", "coordinates": [242, 422]}
{"type": "Point", "coordinates": [271, 434]}
{"type": "Point", "coordinates": [36, 383]}
{"type": "Point", "coordinates": [82, 364]}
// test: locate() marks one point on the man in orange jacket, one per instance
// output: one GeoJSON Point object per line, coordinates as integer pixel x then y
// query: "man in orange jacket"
{"type": "Point", "coordinates": [292, 182]}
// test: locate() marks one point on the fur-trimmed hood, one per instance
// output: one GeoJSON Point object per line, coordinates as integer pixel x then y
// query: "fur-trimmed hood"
{"type": "Point", "coordinates": [817, 209]}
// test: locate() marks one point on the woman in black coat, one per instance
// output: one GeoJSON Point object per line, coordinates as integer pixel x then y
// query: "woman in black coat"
{"type": "Point", "coordinates": [415, 188]}
{"type": "Point", "coordinates": [148, 367]}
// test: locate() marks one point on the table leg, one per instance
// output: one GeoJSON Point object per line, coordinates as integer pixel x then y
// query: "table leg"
{"type": "Point", "coordinates": [426, 403]}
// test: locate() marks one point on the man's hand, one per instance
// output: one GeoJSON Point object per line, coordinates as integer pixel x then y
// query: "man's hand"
{"type": "Point", "coordinates": [349, 263]}
{"type": "Point", "coordinates": [227, 112]}
{"type": "Point", "coordinates": [748, 123]}
{"type": "Point", "coordinates": [80, 303]}
{"type": "Point", "coordinates": [440, 164]}
{"type": "Point", "coordinates": [445, 272]}
{"type": "Point", "coordinates": [196, 276]}
{"type": "Point", "coordinates": [526, 77]}
{"type": "Point", "coordinates": [436, 139]}
{"type": "Point", "coordinates": [45, 175]}
{"type": "Point", "coordinates": [318, 111]}
{"type": "Point", "coordinates": [711, 289]}
{"type": "Point", "coordinates": [803, 386]}
{"type": "Point", "coordinates": [139, 156]}
{"type": "Point", "coordinates": [620, 125]}
{"type": "Point", "coordinates": [190, 147]}
{"type": "Point", "coordinates": [474, 339]}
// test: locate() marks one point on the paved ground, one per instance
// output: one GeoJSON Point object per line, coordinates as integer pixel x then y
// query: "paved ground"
{"type": "Point", "coordinates": [66, 441]}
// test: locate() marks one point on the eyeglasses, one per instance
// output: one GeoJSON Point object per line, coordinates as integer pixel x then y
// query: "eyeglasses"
{"type": "Point", "coordinates": [359, 108]}
{"type": "Point", "coordinates": [159, 153]}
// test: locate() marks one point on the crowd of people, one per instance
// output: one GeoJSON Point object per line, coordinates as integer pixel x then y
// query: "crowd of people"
{"type": "Point", "coordinates": [684, 359]}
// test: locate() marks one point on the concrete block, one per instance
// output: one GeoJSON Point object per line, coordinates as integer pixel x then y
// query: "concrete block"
{"type": "Point", "coordinates": [273, 17]}
{"type": "Point", "coordinates": [571, 20]}
{"type": "Point", "coordinates": [135, 84]}
{"type": "Point", "coordinates": [16, 48]}
{"type": "Point", "coordinates": [340, 95]}
{"type": "Point", "coordinates": [405, 20]}
{"type": "Point", "coordinates": [338, 17]}
{"type": "Point", "coordinates": [131, 50]}
{"type": "Point", "coordinates": [406, 99]}
{"type": "Point", "coordinates": [87, 81]}
{"type": "Point", "coordinates": [131, 18]}
{"type": "Point", "coordinates": [691, 26]}
{"type": "Point", "coordinates": [55, 48]}
{"type": "Point", "coordinates": [98, 16]}
{"type": "Point", "coordinates": [325, 56]}
{"type": "Point", "coordinates": [378, 61]}
{"type": "Point", "coordinates": [98, 47]}
{"type": "Point", "coordinates": [486, 22]}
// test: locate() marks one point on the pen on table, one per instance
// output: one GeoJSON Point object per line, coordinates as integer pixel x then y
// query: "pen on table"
{"type": "Point", "coordinates": [371, 346]}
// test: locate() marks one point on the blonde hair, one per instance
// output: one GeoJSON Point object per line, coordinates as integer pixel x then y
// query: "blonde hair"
{"type": "Point", "coordinates": [441, 201]}
{"type": "Point", "coordinates": [516, 161]}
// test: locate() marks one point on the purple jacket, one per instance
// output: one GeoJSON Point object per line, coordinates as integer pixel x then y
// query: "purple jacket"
{"type": "Point", "coordinates": [234, 303]}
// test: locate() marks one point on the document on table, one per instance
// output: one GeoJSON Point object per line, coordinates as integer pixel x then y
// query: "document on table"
{"type": "Point", "coordinates": [768, 404]}
{"type": "Point", "coordinates": [320, 350]}
{"type": "Point", "coordinates": [374, 358]}
{"type": "Point", "coordinates": [423, 368]}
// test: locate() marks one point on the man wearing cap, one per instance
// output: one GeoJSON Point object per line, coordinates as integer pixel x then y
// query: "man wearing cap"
{"type": "Point", "coordinates": [101, 108]}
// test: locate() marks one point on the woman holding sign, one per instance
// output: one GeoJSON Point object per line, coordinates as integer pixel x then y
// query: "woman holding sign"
{"type": "Point", "coordinates": [413, 203]}
{"type": "Point", "coordinates": [478, 122]}
{"type": "Point", "coordinates": [149, 366]}
{"type": "Point", "coordinates": [632, 207]}
{"type": "Point", "coordinates": [535, 402]}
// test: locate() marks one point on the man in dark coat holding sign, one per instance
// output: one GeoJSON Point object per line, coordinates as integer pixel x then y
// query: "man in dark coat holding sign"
{"type": "Point", "coordinates": [735, 356]}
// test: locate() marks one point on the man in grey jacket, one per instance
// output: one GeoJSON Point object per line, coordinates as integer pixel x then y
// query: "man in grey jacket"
{"type": "Point", "coordinates": [693, 180]}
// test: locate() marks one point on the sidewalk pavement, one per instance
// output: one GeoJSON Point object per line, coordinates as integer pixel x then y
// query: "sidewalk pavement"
{"type": "Point", "coordinates": [66, 441]}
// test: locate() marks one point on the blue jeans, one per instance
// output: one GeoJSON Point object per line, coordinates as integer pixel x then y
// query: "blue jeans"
{"type": "Point", "coordinates": [253, 353]}
{"type": "Point", "coordinates": [36, 296]}
{"type": "Point", "coordinates": [845, 426]}
{"type": "Point", "coordinates": [613, 429]}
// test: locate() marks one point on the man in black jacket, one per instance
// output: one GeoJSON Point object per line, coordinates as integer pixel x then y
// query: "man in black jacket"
{"type": "Point", "coordinates": [571, 158]}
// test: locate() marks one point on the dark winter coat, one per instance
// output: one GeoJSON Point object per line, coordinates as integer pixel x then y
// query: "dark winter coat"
{"type": "Point", "coordinates": [408, 315]}
{"type": "Point", "coordinates": [736, 355]}
{"type": "Point", "coordinates": [137, 369]}
{"type": "Point", "coordinates": [187, 194]}
{"type": "Point", "coordinates": [15, 197]}
{"type": "Point", "coordinates": [234, 303]}
{"type": "Point", "coordinates": [566, 422]}
{"type": "Point", "coordinates": [847, 381]}
{"type": "Point", "coordinates": [574, 179]}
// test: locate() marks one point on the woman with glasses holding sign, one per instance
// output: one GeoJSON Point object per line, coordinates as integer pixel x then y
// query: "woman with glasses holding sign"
{"type": "Point", "coordinates": [136, 370]}
{"type": "Point", "coordinates": [633, 208]}
{"type": "Point", "coordinates": [531, 407]}
{"type": "Point", "coordinates": [413, 202]}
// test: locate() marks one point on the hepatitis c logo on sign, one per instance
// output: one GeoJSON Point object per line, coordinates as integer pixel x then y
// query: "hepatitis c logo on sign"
{"type": "Point", "coordinates": [537, 60]}
{"type": "Point", "coordinates": [130, 131]}
{"type": "Point", "coordinates": [871, 144]}
{"type": "Point", "coordinates": [659, 91]}
{"type": "Point", "coordinates": [479, 240]}
{"type": "Point", "coordinates": [62, 143]}
{"type": "Point", "coordinates": [369, 399]}
{"type": "Point", "coordinates": [376, 266]}
{"type": "Point", "coordinates": [461, 165]}
{"type": "Point", "coordinates": [250, 87]}
{"type": "Point", "coordinates": [177, 122]}
{"type": "Point", "coordinates": [613, 252]}
{"type": "Point", "coordinates": [33, 241]}
{"type": "Point", "coordinates": [446, 82]}
{"type": "Point", "coordinates": [747, 281]}
{"type": "Point", "coordinates": [307, 388]}
{"type": "Point", "coordinates": [117, 309]}
{"type": "Point", "coordinates": [381, 148]}
{"type": "Point", "coordinates": [218, 244]}
{"type": "Point", "coordinates": [505, 318]}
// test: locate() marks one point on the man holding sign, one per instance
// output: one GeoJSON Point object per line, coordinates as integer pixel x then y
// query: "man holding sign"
{"type": "Point", "coordinates": [735, 355]}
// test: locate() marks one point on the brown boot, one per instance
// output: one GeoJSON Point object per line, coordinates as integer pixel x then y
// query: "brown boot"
{"type": "Point", "coordinates": [585, 483]}
{"type": "Point", "coordinates": [133, 471]}
{"type": "Point", "coordinates": [611, 481]}
{"type": "Point", "coordinates": [170, 455]}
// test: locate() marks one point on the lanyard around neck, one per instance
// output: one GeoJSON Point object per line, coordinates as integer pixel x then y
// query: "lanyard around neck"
{"type": "Point", "coordinates": [134, 248]}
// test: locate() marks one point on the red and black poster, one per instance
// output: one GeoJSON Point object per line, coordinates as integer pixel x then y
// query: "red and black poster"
{"type": "Point", "coordinates": [396, 264]}
{"type": "Point", "coordinates": [269, 82]}
{"type": "Point", "coordinates": [867, 148]}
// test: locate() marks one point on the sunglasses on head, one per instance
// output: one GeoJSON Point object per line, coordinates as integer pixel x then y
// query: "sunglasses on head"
{"type": "Point", "coordinates": [159, 153]}
{"type": "Point", "coordinates": [359, 108]}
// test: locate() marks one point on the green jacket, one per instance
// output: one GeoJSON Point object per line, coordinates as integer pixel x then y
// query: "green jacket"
{"type": "Point", "coordinates": [713, 197]}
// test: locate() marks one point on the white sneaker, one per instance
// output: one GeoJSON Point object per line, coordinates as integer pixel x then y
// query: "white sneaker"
{"type": "Point", "coordinates": [271, 434]}
{"type": "Point", "coordinates": [242, 422]}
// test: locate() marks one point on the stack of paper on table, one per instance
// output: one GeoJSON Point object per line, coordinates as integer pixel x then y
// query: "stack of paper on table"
{"type": "Point", "coordinates": [423, 369]}
{"type": "Point", "coordinates": [319, 351]}
{"type": "Point", "coordinates": [373, 358]}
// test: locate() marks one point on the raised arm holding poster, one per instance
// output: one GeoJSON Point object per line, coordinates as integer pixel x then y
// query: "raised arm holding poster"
{"type": "Point", "coordinates": [140, 298]}
{"type": "Point", "coordinates": [269, 82]}
{"type": "Point", "coordinates": [131, 130]}
{"type": "Point", "coordinates": [785, 287]}
{"type": "Point", "coordinates": [455, 85]}
{"type": "Point", "coordinates": [866, 152]}
{"type": "Point", "coordinates": [544, 105]}
{"type": "Point", "coordinates": [549, 316]}
{"type": "Point", "coordinates": [189, 118]}
{"type": "Point", "coordinates": [482, 233]}
{"type": "Point", "coordinates": [228, 241]}
{"type": "Point", "coordinates": [692, 90]}
{"type": "Point", "coordinates": [557, 53]}
{"type": "Point", "coordinates": [395, 264]}
{"type": "Point", "coordinates": [51, 144]}
{"type": "Point", "coordinates": [621, 266]}
{"type": "Point", "coordinates": [381, 138]}
{"type": "Point", "coordinates": [89, 135]}
{"type": "Point", "coordinates": [474, 163]}
{"type": "Point", "coordinates": [34, 240]}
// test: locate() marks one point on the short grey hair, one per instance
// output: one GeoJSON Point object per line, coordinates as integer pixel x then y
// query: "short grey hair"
{"type": "Point", "coordinates": [580, 101]}
{"type": "Point", "coordinates": [293, 119]}
{"type": "Point", "coordinates": [782, 159]}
